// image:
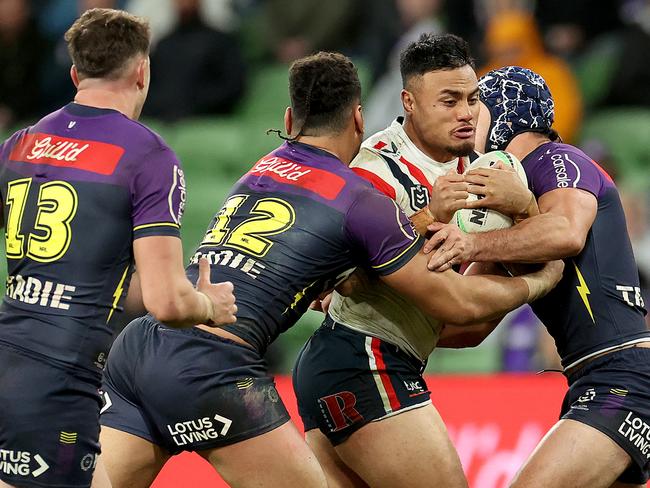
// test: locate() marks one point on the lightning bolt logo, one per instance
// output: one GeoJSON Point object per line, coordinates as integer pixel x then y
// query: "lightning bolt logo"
{"type": "Point", "coordinates": [118, 293]}
{"type": "Point", "coordinates": [583, 290]}
{"type": "Point", "coordinates": [299, 296]}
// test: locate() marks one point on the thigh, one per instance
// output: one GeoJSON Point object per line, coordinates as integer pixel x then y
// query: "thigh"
{"type": "Point", "coordinates": [338, 474]}
{"type": "Point", "coordinates": [130, 461]}
{"type": "Point", "coordinates": [411, 448]}
{"type": "Point", "coordinates": [100, 476]}
{"type": "Point", "coordinates": [278, 458]}
{"type": "Point", "coordinates": [49, 427]}
{"type": "Point", "coordinates": [573, 454]}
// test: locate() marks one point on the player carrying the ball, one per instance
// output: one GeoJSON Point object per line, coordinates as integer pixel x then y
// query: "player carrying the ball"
{"type": "Point", "coordinates": [361, 394]}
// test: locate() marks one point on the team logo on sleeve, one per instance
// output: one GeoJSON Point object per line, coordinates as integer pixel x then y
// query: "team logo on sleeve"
{"type": "Point", "coordinates": [177, 195]}
{"type": "Point", "coordinates": [567, 172]}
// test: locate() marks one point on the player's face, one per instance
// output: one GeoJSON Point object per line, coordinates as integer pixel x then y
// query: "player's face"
{"type": "Point", "coordinates": [482, 128]}
{"type": "Point", "coordinates": [443, 108]}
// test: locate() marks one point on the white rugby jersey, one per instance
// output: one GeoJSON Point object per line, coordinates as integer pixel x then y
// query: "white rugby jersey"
{"type": "Point", "coordinates": [396, 167]}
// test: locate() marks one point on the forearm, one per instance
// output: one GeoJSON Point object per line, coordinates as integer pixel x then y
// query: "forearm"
{"type": "Point", "coordinates": [489, 297]}
{"type": "Point", "coordinates": [538, 239]}
{"type": "Point", "coordinates": [453, 298]}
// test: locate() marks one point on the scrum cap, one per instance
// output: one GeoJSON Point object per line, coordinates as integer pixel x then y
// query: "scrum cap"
{"type": "Point", "coordinates": [518, 101]}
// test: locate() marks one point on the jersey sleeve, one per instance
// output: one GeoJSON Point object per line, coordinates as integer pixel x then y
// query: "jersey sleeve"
{"type": "Point", "coordinates": [381, 233]}
{"type": "Point", "coordinates": [562, 169]}
{"type": "Point", "coordinates": [158, 195]}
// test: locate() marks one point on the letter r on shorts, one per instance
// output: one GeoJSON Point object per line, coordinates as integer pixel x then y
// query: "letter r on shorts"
{"type": "Point", "coordinates": [340, 410]}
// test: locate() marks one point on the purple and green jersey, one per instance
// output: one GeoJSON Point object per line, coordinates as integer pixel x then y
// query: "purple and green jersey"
{"type": "Point", "coordinates": [77, 188]}
{"type": "Point", "coordinates": [292, 227]}
{"type": "Point", "coordinates": [597, 305]}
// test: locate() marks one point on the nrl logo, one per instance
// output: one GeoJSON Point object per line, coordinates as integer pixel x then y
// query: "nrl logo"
{"type": "Point", "coordinates": [419, 197]}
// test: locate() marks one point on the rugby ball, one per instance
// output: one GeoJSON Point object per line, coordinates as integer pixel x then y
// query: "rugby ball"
{"type": "Point", "coordinates": [485, 219]}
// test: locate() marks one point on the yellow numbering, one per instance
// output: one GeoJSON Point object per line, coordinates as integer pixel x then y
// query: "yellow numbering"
{"type": "Point", "coordinates": [57, 206]}
{"type": "Point", "coordinates": [270, 216]}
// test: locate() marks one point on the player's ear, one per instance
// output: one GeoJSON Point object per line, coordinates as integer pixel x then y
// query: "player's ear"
{"type": "Point", "coordinates": [358, 119]}
{"type": "Point", "coordinates": [288, 120]}
{"type": "Point", "coordinates": [482, 128]}
{"type": "Point", "coordinates": [74, 75]}
{"type": "Point", "coordinates": [408, 101]}
{"type": "Point", "coordinates": [142, 72]}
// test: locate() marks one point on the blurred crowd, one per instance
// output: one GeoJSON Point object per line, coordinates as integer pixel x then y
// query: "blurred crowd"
{"type": "Point", "coordinates": [594, 55]}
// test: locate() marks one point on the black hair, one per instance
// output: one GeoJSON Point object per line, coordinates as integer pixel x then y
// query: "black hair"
{"type": "Point", "coordinates": [432, 52]}
{"type": "Point", "coordinates": [323, 88]}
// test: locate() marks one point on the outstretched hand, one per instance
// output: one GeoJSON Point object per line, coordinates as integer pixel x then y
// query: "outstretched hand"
{"type": "Point", "coordinates": [221, 296]}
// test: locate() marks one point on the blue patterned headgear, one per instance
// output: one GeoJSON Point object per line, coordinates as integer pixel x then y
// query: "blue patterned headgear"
{"type": "Point", "coordinates": [518, 100]}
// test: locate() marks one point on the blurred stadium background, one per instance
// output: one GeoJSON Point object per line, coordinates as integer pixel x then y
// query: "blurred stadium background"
{"type": "Point", "coordinates": [219, 81]}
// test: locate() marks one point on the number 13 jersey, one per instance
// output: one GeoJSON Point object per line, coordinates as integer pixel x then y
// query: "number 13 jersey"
{"type": "Point", "coordinates": [76, 189]}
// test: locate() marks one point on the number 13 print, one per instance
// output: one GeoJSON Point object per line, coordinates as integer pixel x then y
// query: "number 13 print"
{"type": "Point", "coordinates": [57, 206]}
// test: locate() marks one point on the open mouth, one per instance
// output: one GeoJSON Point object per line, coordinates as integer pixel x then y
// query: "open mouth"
{"type": "Point", "coordinates": [464, 132]}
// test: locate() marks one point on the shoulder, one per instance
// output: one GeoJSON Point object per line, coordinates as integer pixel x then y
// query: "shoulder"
{"type": "Point", "coordinates": [379, 156]}
{"type": "Point", "coordinates": [16, 136]}
{"type": "Point", "coordinates": [8, 145]}
{"type": "Point", "coordinates": [563, 158]}
{"type": "Point", "coordinates": [565, 166]}
{"type": "Point", "coordinates": [150, 139]}
{"type": "Point", "coordinates": [148, 152]}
